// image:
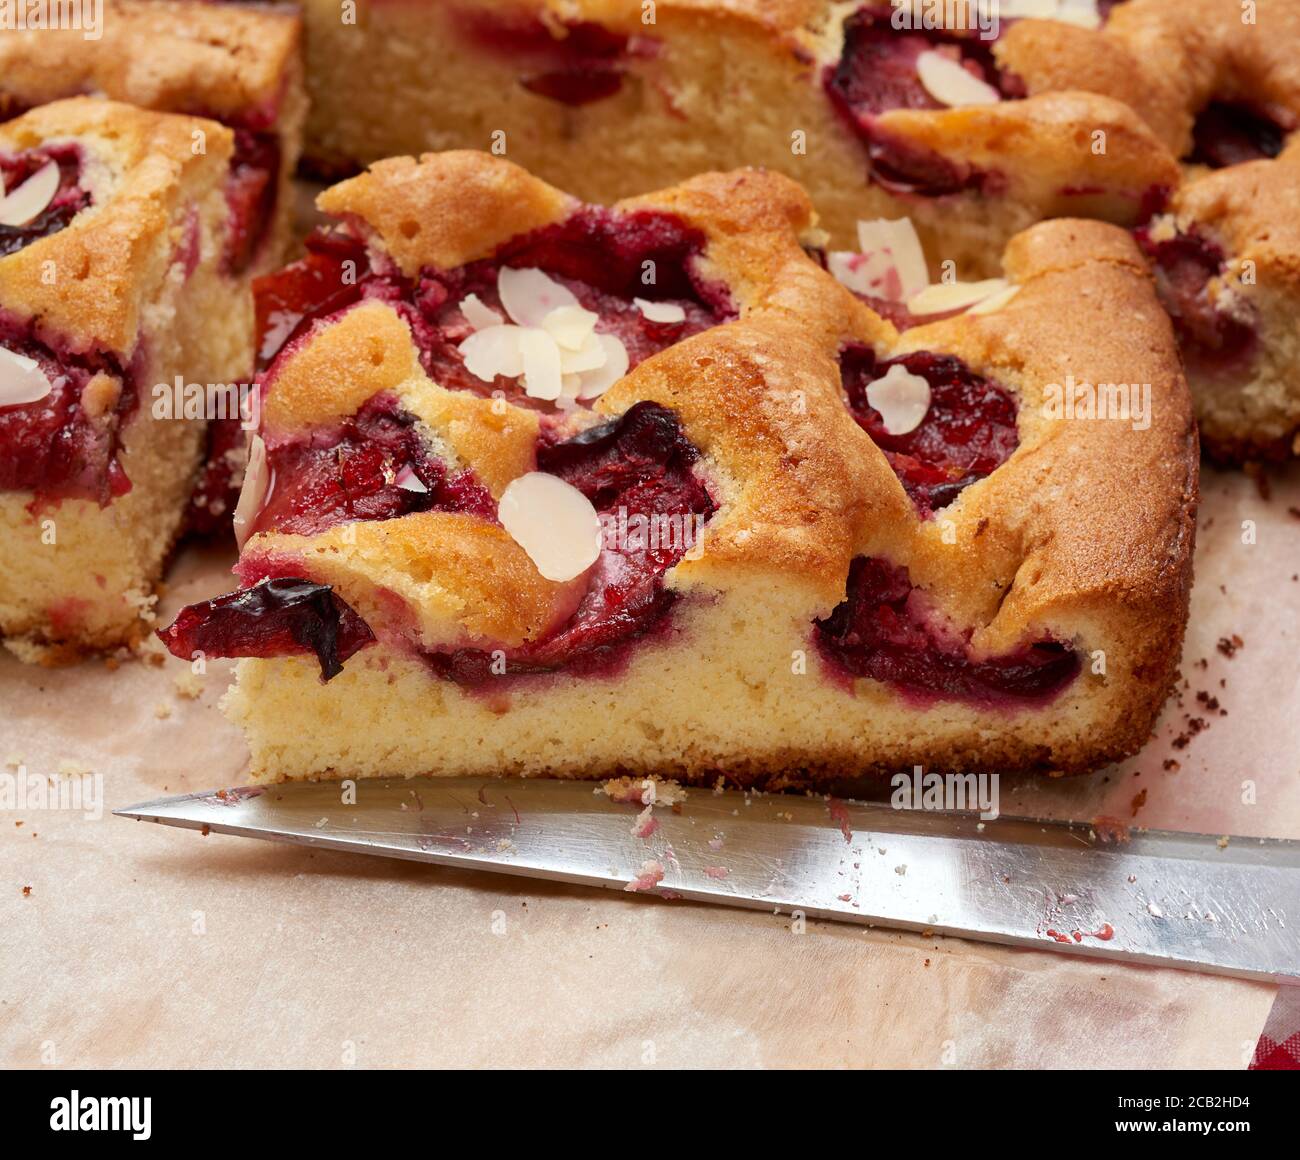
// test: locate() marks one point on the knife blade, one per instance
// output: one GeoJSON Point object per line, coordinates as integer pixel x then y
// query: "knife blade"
{"type": "Point", "coordinates": [1153, 897]}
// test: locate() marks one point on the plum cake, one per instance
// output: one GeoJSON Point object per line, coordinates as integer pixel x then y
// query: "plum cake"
{"type": "Point", "coordinates": [238, 65]}
{"type": "Point", "coordinates": [1226, 256]}
{"type": "Point", "coordinates": [113, 285]}
{"type": "Point", "coordinates": [874, 115]}
{"type": "Point", "coordinates": [544, 487]}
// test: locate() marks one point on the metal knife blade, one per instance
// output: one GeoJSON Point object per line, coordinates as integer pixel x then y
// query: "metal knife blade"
{"type": "Point", "coordinates": [1159, 898]}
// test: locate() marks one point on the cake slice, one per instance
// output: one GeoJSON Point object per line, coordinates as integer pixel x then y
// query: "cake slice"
{"type": "Point", "coordinates": [115, 296]}
{"type": "Point", "coordinates": [612, 99]}
{"type": "Point", "coordinates": [1226, 257]}
{"type": "Point", "coordinates": [545, 488]}
{"type": "Point", "coordinates": [240, 65]}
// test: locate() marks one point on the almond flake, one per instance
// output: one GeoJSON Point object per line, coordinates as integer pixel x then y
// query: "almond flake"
{"type": "Point", "coordinates": [253, 493]}
{"type": "Point", "coordinates": [28, 200]}
{"type": "Point", "coordinates": [891, 264]}
{"type": "Point", "coordinates": [589, 357]}
{"type": "Point", "coordinates": [530, 295]}
{"type": "Point", "coordinates": [493, 351]}
{"type": "Point", "coordinates": [660, 311]}
{"type": "Point", "coordinates": [553, 522]}
{"type": "Point", "coordinates": [902, 399]}
{"type": "Point", "coordinates": [541, 357]}
{"type": "Point", "coordinates": [950, 84]}
{"type": "Point", "coordinates": [597, 382]}
{"type": "Point", "coordinates": [570, 326]}
{"type": "Point", "coordinates": [478, 314]}
{"type": "Point", "coordinates": [407, 480]}
{"type": "Point", "coordinates": [21, 379]}
{"type": "Point", "coordinates": [995, 301]}
{"type": "Point", "coordinates": [943, 297]}
{"type": "Point", "coordinates": [1084, 13]}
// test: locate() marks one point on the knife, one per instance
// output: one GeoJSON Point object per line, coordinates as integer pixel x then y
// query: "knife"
{"type": "Point", "coordinates": [1229, 906]}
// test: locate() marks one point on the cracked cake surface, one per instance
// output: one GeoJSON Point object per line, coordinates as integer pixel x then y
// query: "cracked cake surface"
{"type": "Point", "coordinates": [1027, 617]}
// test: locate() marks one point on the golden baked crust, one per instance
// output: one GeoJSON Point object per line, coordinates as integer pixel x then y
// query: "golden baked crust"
{"type": "Point", "coordinates": [1056, 542]}
{"type": "Point", "coordinates": [108, 259]}
{"type": "Point", "coordinates": [222, 60]}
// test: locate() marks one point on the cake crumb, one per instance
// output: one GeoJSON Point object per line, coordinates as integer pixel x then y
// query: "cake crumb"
{"type": "Point", "coordinates": [188, 684]}
{"type": "Point", "coordinates": [162, 710]}
{"type": "Point", "coordinates": [70, 768]}
{"type": "Point", "coordinates": [1222, 843]}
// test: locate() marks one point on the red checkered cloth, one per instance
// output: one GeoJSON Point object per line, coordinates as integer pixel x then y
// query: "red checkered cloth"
{"type": "Point", "coordinates": [1279, 1047]}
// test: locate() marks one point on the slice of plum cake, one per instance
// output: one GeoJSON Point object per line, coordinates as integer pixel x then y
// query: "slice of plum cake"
{"type": "Point", "coordinates": [113, 287]}
{"type": "Point", "coordinates": [546, 488]}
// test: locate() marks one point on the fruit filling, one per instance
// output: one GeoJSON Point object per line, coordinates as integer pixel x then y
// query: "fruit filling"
{"type": "Point", "coordinates": [280, 617]}
{"type": "Point", "coordinates": [572, 62]}
{"type": "Point", "coordinates": [42, 194]}
{"type": "Point", "coordinates": [1230, 133]}
{"type": "Point", "coordinates": [252, 190]}
{"type": "Point", "coordinates": [883, 68]}
{"type": "Point", "coordinates": [60, 417]}
{"type": "Point", "coordinates": [885, 631]}
{"type": "Point", "coordinates": [966, 432]}
{"type": "Point", "coordinates": [633, 274]}
{"type": "Point", "coordinates": [1213, 325]}
{"type": "Point", "coordinates": [375, 466]}
{"type": "Point", "coordinates": [638, 473]}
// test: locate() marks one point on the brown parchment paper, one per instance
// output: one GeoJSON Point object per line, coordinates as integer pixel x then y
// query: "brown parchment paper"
{"type": "Point", "coordinates": [144, 946]}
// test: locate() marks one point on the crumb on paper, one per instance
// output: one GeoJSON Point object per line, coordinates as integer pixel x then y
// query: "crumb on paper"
{"type": "Point", "coordinates": [162, 710]}
{"type": "Point", "coordinates": [70, 768]}
{"type": "Point", "coordinates": [188, 684]}
{"type": "Point", "coordinates": [27, 891]}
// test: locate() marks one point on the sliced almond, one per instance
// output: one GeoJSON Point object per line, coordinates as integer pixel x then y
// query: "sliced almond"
{"type": "Point", "coordinates": [493, 351]}
{"type": "Point", "coordinates": [530, 295]}
{"type": "Point", "coordinates": [407, 480]}
{"type": "Point", "coordinates": [541, 357]}
{"type": "Point", "coordinates": [597, 382]}
{"type": "Point", "coordinates": [902, 399]}
{"type": "Point", "coordinates": [478, 314]}
{"type": "Point", "coordinates": [253, 493]}
{"type": "Point", "coordinates": [1084, 13]}
{"type": "Point", "coordinates": [553, 522]}
{"type": "Point", "coordinates": [30, 199]}
{"type": "Point", "coordinates": [950, 84]}
{"type": "Point", "coordinates": [21, 379]}
{"type": "Point", "coordinates": [995, 301]}
{"type": "Point", "coordinates": [570, 326]}
{"type": "Point", "coordinates": [666, 312]}
{"type": "Point", "coordinates": [897, 240]}
{"type": "Point", "coordinates": [944, 297]}
{"type": "Point", "coordinates": [591, 355]}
